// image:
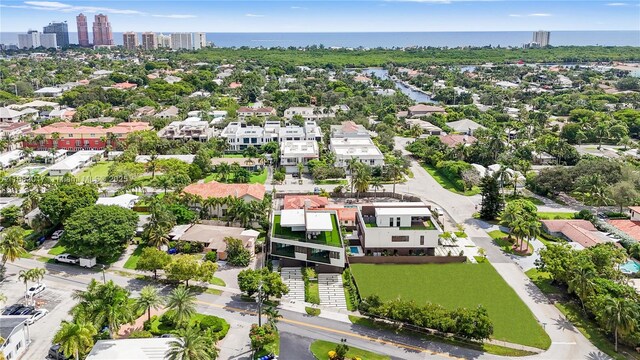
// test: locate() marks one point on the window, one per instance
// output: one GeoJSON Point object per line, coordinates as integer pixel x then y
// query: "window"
{"type": "Point", "coordinates": [19, 345]}
{"type": "Point", "coordinates": [334, 255]}
{"type": "Point", "coordinates": [403, 238]}
{"type": "Point", "coordinates": [77, 143]}
{"type": "Point", "coordinates": [397, 221]}
{"type": "Point", "coordinates": [421, 239]}
{"type": "Point", "coordinates": [390, 221]}
{"type": "Point", "coordinates": [301, 250]}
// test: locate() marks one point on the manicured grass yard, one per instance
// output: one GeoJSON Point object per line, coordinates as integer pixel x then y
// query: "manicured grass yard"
{"type": "Point", "coordinates": [447, 184]}
{"type": "Point", "coordinates": [453, 286]}
{"type": "Point", "coordinates": [555, 215]}
{"type": "Point", "coordinates": [133, 259]}
{"type": "Point", "coordinates": [256, 178]}
{"type": "Point", "coordinates": [320, 349]}
{"type": "Point", "coordinates": [57, 250]}
{"type": "Point", "coordinates": [98, 171]}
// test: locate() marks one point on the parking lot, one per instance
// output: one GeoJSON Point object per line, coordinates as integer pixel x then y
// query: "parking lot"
{"type": "Point", "coordinates": [56, 298]}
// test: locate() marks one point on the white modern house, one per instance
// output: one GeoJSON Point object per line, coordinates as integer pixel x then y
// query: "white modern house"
{"type": "Point", "coordinates": [403, 228]}
{"type": "Point", "coordinates": [192, 128]}
{"type": "Point", "coordinates": [126, 201]}
{"type": "Point", "coordinates": [245, 112]}
{"type": "Point", "coordinates": [15, 332]}
{"type": "Point", "coordinates": [126, 349]}
{"type": "Point", "coordinates": [10, 115]}
{"type": "Point", "coordinates": [240, 135]}
{"type": "Point", "coordinates": [75, 162]}
{"type": "Point", "coordinates": [294, 152]}
{"type": "Point", "coordinates": [302, 236]}
{"type": "Point", "coordinates": [349, 129]}
{"type": "Point", "coordinates": [362, 149]}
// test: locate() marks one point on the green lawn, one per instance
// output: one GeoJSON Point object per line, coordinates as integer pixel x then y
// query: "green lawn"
{"type": "Point", "coordinates": [320, 349]}
{"type": "Point", "coordinates": [331, 182]}
{"type": "Point", "coordinates": [256, 178]}
{"type": "Point", "coordinates": [542, 279]}
{"type": "Point", "coordinates": [312, 292]}
{"type": "Point", "coordinates": [331, 238]}
{"type": "Point", "coordinates": [57, 250]}
{"type": "Point", "coordinates": [446, 183]}
{"type": "Point", "coordinates": [534, 200]}
{"type": "Point", "coordinates": [133, 259]}
{"type": "Point", "coordinates": [98, 171]}
{"type": "Point", "coordinates": [555, 215]}
{"type": "Point", "coordinates": [453, 286]}
{"type": "Point", "coordinates": [217, 281]}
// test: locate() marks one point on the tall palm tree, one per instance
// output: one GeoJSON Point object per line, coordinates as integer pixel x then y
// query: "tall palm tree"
{"type": "Point", "coordinates": [75, 338]}
{"type": "Point", "coordinates": [361, 179]}
{"type": "Point", "coordinates": [152, 165]}
{"type": "Point", "coordinates": [38, 274]}
{"type": "Point", "coordinates": [26, 152]}
{"type": "Point", "coordinates": [105, 304]}
{"type": "Point", "coordinates": [620, 316]}
{"type": "Point", "coordinates": [11, 244]}
{"type": "Point", "coordinates": [192, 345]}
{"type": "Point", "coordinates": [581, 283]}
{"type": "Point", "coordinates": [223, 169]}
{"type": "Point", "coordinates": [272, 314]}
{"type": "Point", "coordinates": [54, 138]}
{"type": "Point", "coordinates": [182, 301]}
{"type": "Point", "coordinates": [25, 276]}
{"type": "Point", "coordinates": [149, 298]}
{"type": "Point", "coordinates": [394, 167]}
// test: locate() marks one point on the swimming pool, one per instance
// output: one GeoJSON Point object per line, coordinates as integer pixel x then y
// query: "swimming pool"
{"type": "Point", "coordinates": [354, 249]}
{"type": "Point", "coordinates": [630, 267]}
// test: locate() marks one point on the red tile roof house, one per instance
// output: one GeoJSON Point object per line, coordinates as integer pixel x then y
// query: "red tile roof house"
{"type": "Point", "coordinates": [453, 140]}
{"type": "Point", "coordinates": [578, 231]}
{"type": "Point", "coordinates": [75, 137]}
{"type": "Point", "coordinates": [124, 86]}
{"type": "Point", "coordinates": [630, 227]}
{"type": "Point", "coordinates": [346, 216]}
{"type": "Point", "coordinates": [214, 189]}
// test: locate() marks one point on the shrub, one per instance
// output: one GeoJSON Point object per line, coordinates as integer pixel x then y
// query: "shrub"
{"type": "Point", "coordinates": [211, 256]}
{"type": "Point", "coordinates": [237, 254]}
{"type": "Point", "coordinates": [140, 334]}
{"type": "Point", "coordinates": [312, 311]}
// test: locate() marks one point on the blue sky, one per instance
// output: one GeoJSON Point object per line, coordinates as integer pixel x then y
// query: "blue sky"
{"type": "Point", "coordinates": [329, 16]}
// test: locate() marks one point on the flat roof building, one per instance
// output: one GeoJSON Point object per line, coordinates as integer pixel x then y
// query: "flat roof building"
{"type": "Point", "coordinates": [75, 162]}
{"type": "Point", "coordinates": [362, 149]}
{"type": "Point", "coordinates": [130, 40]}
{"type": "Point", "coordinates": [127, 349]}
{"type": "Point", "coordinates": [294, 152]}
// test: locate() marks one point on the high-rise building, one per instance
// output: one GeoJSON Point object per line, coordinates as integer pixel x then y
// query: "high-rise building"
{"type": "Point", "coordinates": [48, 41]}
{"type": "Point", "coordinates": [29, 40]}
{"type": "Point", "coordinates": [182, 41]}
{"type": "Point", "coordinates": [83, 32]}
{"type": "Point", "coordinates": [164, 41]}
{"type": "Point", "coordinates": [149, 41]}
{"type": "Point", "coordinates": [61, 30]}
{"type": "Point", "coordinates": [199, 40]}
{"type": "Point", "coordinates": [130, 40]}
{"type": "Point", "coordinates": [102, 34]}
{"type": "Point", "coordinates": [541, 38]}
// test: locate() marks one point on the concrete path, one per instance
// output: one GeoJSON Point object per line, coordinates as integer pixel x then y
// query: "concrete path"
{"type": "Point", "coordinates": [292, 277]}
{"type": "Point", "coordinates": [331, 291]}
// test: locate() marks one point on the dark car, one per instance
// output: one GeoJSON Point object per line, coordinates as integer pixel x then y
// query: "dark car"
{"type": "Point", "coordinates": [10, 309]}
{"type": "Point", "coordinates": [55, 353]}
{"type": "Point", "coordinates": [27, 310]}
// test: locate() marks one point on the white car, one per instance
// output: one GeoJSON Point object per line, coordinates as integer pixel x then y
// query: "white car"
{"type": "Point", "coordinates": [36, 289]}
{"type": "Point", "coordinates": [39, 314]}
{"type": "Point", "coordinates": [57, 234]}
{"type": "Point", "coordinates": [438, 211]}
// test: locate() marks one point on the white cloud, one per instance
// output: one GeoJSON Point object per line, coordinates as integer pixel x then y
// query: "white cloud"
{"type": "Point", "coordinates": [175, 16]}
{"type": "Point", "coordinates": [515, 15]}
{"type": "Point", "coordinates": [48, 4]}
{"type": "Point", "coordinates": [530, 15]}
{"type": "Point", "coordinates": [253, 15]}
{"type": "Point", "coordinates": [617, 4]}
{"type": "Point", "coordinates": [298, 8]}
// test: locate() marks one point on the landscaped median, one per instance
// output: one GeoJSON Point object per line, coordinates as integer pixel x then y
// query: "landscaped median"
{"type": "Point", "coordinates": [456, 286]}
{"type": "Point", "coordinates": [322, 350]}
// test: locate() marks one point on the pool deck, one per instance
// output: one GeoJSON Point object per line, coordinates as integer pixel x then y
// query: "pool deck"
{"type": "Point", "coordinates": [624, 266]}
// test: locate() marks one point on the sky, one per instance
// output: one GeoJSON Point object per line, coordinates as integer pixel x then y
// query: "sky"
{"type": "Point", "coordinates": [328, 16]}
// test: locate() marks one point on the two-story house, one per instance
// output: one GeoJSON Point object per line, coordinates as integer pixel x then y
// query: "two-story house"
{"type": "Point", "coordinates": [192, 128]}
{"type": "Point", "coordinates": [399, 228]}
{"type": "Point", "coordinates": [294, 152]}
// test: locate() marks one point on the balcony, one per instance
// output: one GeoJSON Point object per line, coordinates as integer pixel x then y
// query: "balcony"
{"type": "Point", "coordinates": [420, 225]}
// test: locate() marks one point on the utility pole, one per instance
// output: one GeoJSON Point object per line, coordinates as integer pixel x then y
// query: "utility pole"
{"type": "Point", "coordinates": [260, 304]}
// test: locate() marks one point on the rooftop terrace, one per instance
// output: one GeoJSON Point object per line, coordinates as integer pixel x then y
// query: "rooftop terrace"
{"type": "Point", "coordinates": [331, 238]}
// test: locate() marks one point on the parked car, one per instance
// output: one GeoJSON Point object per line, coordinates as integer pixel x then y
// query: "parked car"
{"type": "Point", "coordinates": [34, 290]}
{"type": "Point", "coordinates": [10, 309]}
{"type": "Point", "coordinates": [27, 310]}
{"type": "Point", "coordinates": [37, 315]}
{"type": "Point", "coordinates": [57, 234]}
{"type": "Point", "coordinates": [67, 259]}
{"type": "Point", "coordinates": [438, 211]}
{"type": "Point", "coordinates": [55, 353]}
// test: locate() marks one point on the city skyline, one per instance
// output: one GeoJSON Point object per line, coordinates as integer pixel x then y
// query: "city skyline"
{"type": "Point", "coordinates": [347, 16]}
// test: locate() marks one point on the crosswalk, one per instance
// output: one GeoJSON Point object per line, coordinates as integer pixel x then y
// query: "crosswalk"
{"type": "Point", "coordinates": [292, 277]}
{"type": "Point", "coordinates": [331, 291]}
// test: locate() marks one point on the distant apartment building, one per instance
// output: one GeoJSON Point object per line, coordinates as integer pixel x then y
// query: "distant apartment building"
{"type": "Point", "coordinates": [149, 41]}
{"type": "Point", "coordinates": [541, 38]}
{"type": "Point", "coordinates": [130, 40]}
{"type": "Point", "coordinates": [164, 41]}
{"type": "Point", "coordinates": [314, 112]}
{"type": "Point", "coordinates": [61, 30]}
{"type": "Point", "coordinates": [188, 129]}
{"type": "Point", "coordinates": [48, 41]}
{"type": "Point", "coordinates": [102, 34]}
{"type": "Point", "coordinates": [245, 112]}
{"type": "Point", "coordinates": [30, 40]}
{"type": "Point", "coordinates": [74, 137]}
{"type": "Point", "coordinates": [83, 32]}
{"type": "Point", "coordinates": [188, 41]}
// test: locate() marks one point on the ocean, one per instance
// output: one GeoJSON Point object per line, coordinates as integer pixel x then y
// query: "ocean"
{"type": "Point", "coordinates": [399, 39]}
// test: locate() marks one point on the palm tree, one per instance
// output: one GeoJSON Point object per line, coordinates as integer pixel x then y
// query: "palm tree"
{"type": "Point", "coordinates": [395, 169]}
{"type": "Point", "coordinates": [192, 345]}
{"type": "Point", "coordinates": [149, 298]}
{"type": "Point", "coordinates": [75, 338]}
{"type": "Point", "coordinates": [182, 301]}
{"type": "Point", "coordinates": [25, 276]}
{"type": "Point", "coordinates": [620, 316]}
{"type": "Point", "coordinates": [105, 304]}
{"type": "Point", "coordinates": [11, 244]}
{"type": "Point", "coordinates": [361, 179]}
{"type": "Point", "coordinates": [272, 314]}
{"type": "Point", "coordinates": [38, 274]}
{"type": "Point", "coordinates": [152, 165]}
{"type": "Point", "coordinates": [376, 184]}
{"type": "Point", "coordinates": [223, 169]}
{"type": "Point", "coordinates": [26, 152]}
{"type": "Point", "coordinates": [581, 283]}
{"type": "Point", "coordinates": [634, 250]}
{"type": "Point", "coordinates": [54, 138]}
{"type": "Point", "coordinates": [300, 169]}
